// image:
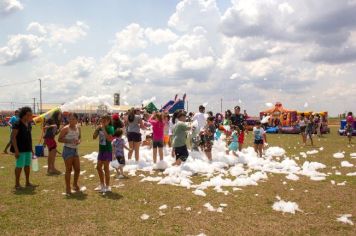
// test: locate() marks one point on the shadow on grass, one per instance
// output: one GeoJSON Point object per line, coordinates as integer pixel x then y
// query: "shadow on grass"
{"type": "Point", "coordinates": [112, 196]}
{"type": "Point", "coordinates": [80, 196]}
{"type": "Point", "coordinates": [26, 190]}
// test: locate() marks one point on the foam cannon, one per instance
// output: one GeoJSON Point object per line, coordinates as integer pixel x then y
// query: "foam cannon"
{"type": "Point", "coordinates": [45, 116]}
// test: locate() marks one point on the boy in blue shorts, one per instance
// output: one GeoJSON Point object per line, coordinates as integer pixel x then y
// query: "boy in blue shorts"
{"type": "Point", "coordinates": [22, 145]}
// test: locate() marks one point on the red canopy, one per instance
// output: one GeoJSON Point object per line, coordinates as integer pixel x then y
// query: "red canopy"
{"type": "Point", "coordinates": [278, 108]}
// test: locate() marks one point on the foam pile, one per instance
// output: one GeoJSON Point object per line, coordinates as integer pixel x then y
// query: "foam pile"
{"type": "Point", "coordinates": [345, 219]}
{"type": "Point", "coordinates": [285, 207]}
{"type": "Point", "coordinates": [224, 171]}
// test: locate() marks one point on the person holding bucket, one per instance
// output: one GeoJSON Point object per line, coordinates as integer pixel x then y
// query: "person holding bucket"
{"type": "Point", "coordinates": [51, 129]}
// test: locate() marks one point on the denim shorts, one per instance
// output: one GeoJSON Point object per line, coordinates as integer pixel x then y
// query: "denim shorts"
{"type": "Point", "coordinates": [69, 152]}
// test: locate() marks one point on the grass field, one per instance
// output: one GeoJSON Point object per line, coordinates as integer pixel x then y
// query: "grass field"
{"type": "Point", "coordinates": [45, 211]}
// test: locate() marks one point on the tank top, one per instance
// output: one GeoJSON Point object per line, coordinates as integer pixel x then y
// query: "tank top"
{"type": "Point", "coordinates": [302, 123]}
{"type": "Point", "coordinates": [72, 135]}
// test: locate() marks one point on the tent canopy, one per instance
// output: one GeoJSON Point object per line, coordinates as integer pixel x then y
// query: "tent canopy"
{"type": "Point", "coordinates": [151, 107]}
{"type": "Point", "coordinates": [278, 108]}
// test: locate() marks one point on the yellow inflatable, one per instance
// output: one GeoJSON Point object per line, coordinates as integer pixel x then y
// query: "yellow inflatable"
{"type": "Point", "coordinates": [41, 118]}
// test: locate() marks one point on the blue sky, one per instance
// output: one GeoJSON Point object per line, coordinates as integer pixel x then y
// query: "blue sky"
{"type": "Point", "coordinates": [247, 52]}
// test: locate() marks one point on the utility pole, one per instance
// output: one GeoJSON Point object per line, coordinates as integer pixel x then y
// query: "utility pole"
{"type": "Point", "coordinates": [40, 96]}
{"type": "Point", "coordinates": [34, 105]}
{"type": "Point", "coordinates": [187, 106]}
{"type": "Point", "coordinates": [221, 105]}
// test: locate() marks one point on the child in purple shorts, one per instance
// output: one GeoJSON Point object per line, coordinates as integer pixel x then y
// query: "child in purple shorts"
{"type": "Point", "coordinates": [105, 131]}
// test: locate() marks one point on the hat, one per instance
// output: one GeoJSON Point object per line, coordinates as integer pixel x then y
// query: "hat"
{"type": "Point", "coordinates": [115, 116]}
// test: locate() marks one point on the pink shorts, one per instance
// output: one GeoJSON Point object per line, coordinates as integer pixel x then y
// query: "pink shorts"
{"type": "Point", "coordinates": [50, 143]}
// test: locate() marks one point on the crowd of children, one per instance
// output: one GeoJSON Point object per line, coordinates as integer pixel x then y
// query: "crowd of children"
{"type": "Point", "coordinates": [182, 132]}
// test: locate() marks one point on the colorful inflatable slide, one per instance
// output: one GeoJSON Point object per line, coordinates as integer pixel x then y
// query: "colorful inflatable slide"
{"type": "Point", "coordinates": [173, 105]}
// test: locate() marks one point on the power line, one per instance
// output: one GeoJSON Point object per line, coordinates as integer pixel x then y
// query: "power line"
{"type": "Point", "coordinates": [18, 83]}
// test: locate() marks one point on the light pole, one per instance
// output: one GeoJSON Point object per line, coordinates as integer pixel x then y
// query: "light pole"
{"type": "Point", "coordinates": [40, 96]}
{"type": "Point", "coordinates": [34, 105]}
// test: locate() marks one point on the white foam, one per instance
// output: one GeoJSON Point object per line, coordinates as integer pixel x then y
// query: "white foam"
{"type": "Point", "coordinates": [312, 152]}
{"type": "Point", "coordinates": [209, 207]}
{"type": "Point", "coordinates": [346, 164]}
{"type": "Point", "coordinates": [224, 171]}
{"type": "Point", "coordinates": [275, 152]}
{"type": "Point", "coordinates": [199, 192]}
{"type": "Point", "coordinates": [163, 207]}
{"type": "Point", "coordinates": [292, 176]}
{"type": "Point", "coordinates": [144, 217]}
{"type": "Point", "coordinates": [345, 219]}
{"type": "Point", "coordinates": [285, 207]}
{"type": "Point", "coordinates": [339, 155]}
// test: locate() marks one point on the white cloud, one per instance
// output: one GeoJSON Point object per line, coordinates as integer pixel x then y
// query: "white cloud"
{"type": "Point", "coordinates": [20, 48]}
{"type": "Point", "coordinates": [159, 36]}
{"type": "Point", "coordinates": [36, 28]}
{"type": "Point", "coordinates": [130, 38]}
{"type": "Point", "coordinates": [71, 34]}
{"type": "Point", "coordinates": [58, 34]}
{"type": "Point", "coordinates": [24, 47]}
{"type": "Point", "coordinates": [8, 7]}
{"type": "Point", "coordinates": [192, 13]}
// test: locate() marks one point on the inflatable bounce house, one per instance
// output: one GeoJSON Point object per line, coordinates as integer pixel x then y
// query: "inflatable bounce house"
{"type": "Point", "coordinates": [281, 120]}
{"type": "Point", "coordinates": [173, 105]}
{"type": "Point", "coordinates": [342, 130]}
{"type": "Point", "coordinates": [150, 107]}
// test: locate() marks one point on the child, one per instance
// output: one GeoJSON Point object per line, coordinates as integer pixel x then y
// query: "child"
{"type": "Point", "coordinates": [209, 131]}
{"type": "Point", "coordinates": [195, 137]}
{"type": "Point", "coordinates": [349, 124]}
{"type": "Point", "coordinates": [260, 138]}
{"type": "Point", "coordinates": [241, 138]}
{"type": "Point", "coordinates": [180, 138]}
{"type": "Point", "coordinates": [302, 125]}
{"type": "Point", "coordinates": [166, 129]}
{"type": "Point", "coordinates": [310, 129]}
{"type": "Point", "coordinates": [118, 145]}
{"type": "Point", "coordinates": [157, 123]}
{"type": "Point", "coordinates": [50, 131]}
{"type": "Point", "coordinates": [234, 145]}
{"type": "Point", "coordinates": [104, 132]}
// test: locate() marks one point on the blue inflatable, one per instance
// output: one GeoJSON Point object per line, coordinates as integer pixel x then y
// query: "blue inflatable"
{"type": "Point", "coordinates": [272, 130]}
{"type": "Point", "coordinates": [342, 130]}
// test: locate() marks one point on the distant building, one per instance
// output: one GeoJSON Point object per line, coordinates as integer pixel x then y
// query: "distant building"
{"type": "Point", "coordinates": [117, 99]}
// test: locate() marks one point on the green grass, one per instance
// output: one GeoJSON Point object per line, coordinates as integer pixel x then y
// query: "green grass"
{"type": "Point", "coordinates": [45, 211]}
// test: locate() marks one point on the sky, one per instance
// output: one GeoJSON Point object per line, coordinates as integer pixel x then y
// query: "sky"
{"type": "Point", "coordinates": [241, 52]}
